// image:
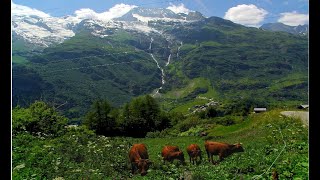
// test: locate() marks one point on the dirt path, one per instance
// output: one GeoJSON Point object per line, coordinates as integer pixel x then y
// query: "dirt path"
{"type": "Point", "coordinates": [303, 115]}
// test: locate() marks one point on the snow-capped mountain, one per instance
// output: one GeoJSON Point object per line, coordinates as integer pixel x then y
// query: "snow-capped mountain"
{"type": "Point", "coordinates": [42, 30]}
{"type": "Point", "coordinates": [159, 14]}
{"type": "Point", "coordinates": [150, 14]}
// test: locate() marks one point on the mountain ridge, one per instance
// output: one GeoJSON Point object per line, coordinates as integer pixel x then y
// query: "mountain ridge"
{"type": "Point", "coordinates": [119, 60]}
{"type": "Point", "coordinates": [299, 30]}
{"type": "Point", "coordinates": [46, 31]}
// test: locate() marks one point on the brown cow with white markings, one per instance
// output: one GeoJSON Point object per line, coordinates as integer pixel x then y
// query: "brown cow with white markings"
{"type": "Point", "coordinates": [139, 159]}
{"type": "Point", "coordinates": [221, 149]}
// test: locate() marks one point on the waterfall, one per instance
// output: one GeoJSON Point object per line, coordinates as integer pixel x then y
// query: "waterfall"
{"type": "Point", "coordinates": [168, 60]}
{"type": "Point", "coordinates": [150, 46]}
{"type": "Point", "coordinates": [162, 72]}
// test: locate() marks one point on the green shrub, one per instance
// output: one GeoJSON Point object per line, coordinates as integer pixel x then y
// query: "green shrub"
{"type": "Point", "coordinates": [38, 118]}
{"type": "Point", "coordinates": [190, 122]}
{"type": "Point", "coordinates": [227, 120]}
{"type": "Point", "coordinates": [175, 117]}
{"type": "Point", "coordinates": [163, 134]}
{"type": "Point", "coordinates": [154, 134]}
{"type": "Point", "coordinates": [193, 131]}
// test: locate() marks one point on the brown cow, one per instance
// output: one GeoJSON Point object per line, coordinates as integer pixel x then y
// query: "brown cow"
{"type": "Point", "coordinates": [221, 149]}
{"type": "Point", "coordinates": [169, 153]}
{"type": "Point", "coordinates": [139, 159]}
{"type": "Point", "coordinates": [194, 152]}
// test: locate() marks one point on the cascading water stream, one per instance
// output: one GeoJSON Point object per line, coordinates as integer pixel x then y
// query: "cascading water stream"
{"type": "Point", "coordinates": [162, 72]}
{"type": "Point", "coordinates": [168, 62]}
{"type": "Point", "coordinates": [179, 49]}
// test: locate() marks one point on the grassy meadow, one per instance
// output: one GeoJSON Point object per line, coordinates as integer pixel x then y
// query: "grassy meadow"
{"type": "Point", "coordinates": [271, 142]}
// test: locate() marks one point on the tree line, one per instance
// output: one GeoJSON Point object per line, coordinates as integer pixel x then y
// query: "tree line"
{"type": "Point", "coordinates": [136, 118]}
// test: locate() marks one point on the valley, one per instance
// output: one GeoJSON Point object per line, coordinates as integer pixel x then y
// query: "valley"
{"type": "Point", "coordinates": [85, 90]}
{"type": "Point", "coordinates": [164, 55]}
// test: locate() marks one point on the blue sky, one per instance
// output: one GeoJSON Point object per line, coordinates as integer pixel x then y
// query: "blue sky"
{"type": "Point", "coordinates": [246, 12]}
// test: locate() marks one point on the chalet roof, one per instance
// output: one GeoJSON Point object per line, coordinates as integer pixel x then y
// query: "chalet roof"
{"type": "Point", "coordinates": [260, 109]}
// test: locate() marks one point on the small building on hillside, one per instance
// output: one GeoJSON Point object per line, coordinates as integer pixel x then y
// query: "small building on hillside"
{"type": "Point", "coordinates": [259, 110]}
{"type": "Point", "coordinates": [305, 106]}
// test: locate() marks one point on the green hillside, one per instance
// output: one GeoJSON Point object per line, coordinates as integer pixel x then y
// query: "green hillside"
{"type": "Point", "coordinates": [218, 59]}
{"type": "Point", "coordinates": [116, 73]}
{"type": "Point", "coordinates": [240, 62]}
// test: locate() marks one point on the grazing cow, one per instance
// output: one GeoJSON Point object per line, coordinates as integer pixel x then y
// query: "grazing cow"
{"type": "Point", "coordinates": [221, 149]}
{"type": "Point", "coordinates": [169, 153]}
{"type": "Point", "coordinates": [194, 152]}
{"type": "Point", "coordinates": [139, 159]}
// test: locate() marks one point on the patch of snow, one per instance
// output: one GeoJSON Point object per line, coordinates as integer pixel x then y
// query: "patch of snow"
{"type": "Point", "coordinates": [147, 19]}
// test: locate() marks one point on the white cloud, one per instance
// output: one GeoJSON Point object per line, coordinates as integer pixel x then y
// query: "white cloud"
{"type": "Point", "coordinates": [18, 10]}
{"type": "Point", "coordinates": [116, 11]}
{"type": "Point", "coordinates": [179, 8]}
{"type": "Point", "coordinates": [293, 18]}
{"type": "Point", "coordinates": [249, 15]}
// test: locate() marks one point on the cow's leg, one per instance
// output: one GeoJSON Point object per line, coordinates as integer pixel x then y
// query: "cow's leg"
{"type": "Point", "coordinates": [221, 155]}
{"type": "Point", "coordinates": [133, 167]}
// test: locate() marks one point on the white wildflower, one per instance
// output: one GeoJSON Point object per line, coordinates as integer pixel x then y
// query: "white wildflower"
{"type": "Point", "coordinates": [58, 178]}
{"type": "Point", "coordinates": [19, 166]}
{"type": "Point", "coordinates": [108, 145]}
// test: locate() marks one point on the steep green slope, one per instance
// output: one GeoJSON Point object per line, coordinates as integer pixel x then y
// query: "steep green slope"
{"type": "Point", "coordinates": [86, 67]}
{"type": "Point", "coordinates": [222, 59]}
{"type": "Point", "coordinates": [241, 61]}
